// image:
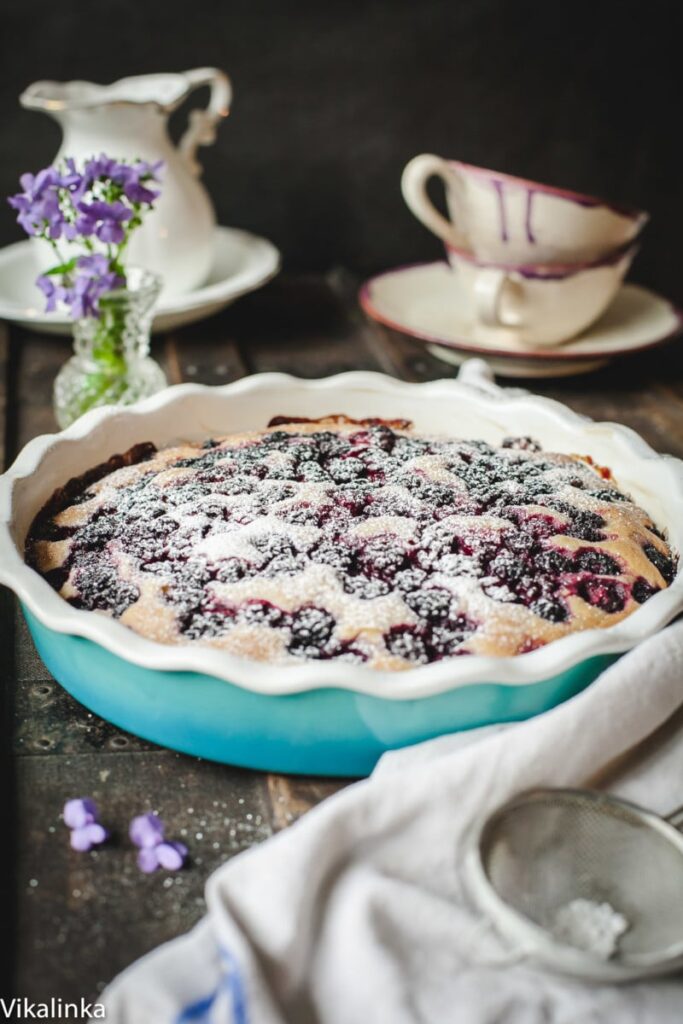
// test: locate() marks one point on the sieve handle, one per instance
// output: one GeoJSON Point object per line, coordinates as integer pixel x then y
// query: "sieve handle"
{"type": "Point", "coordinates": [676, 818]}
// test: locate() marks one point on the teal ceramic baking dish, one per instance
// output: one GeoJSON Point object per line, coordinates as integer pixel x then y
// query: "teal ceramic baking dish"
{"type": "Point", "coordinates": [329, 718]}
{"type": "Point", "coordinates": [325, 731]}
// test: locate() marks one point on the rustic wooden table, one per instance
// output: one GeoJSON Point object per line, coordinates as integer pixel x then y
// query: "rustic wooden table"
{"type": "Point", "coordinates": [75, 920]}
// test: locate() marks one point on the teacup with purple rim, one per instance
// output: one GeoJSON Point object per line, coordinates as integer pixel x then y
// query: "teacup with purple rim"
{"type": "Point", "coordinates": [502, 217]}
{"type": "Point", "coordinates": [536, 305]}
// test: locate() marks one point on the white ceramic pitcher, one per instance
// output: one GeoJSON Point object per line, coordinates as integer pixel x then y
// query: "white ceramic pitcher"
{"type": "Point", "coordinates": [127, 120]}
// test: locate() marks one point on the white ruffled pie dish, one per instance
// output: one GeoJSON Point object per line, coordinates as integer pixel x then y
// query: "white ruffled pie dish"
{"type": "Point", "coordinates": [471, 407]}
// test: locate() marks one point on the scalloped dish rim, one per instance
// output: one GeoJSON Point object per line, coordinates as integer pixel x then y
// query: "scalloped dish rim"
{"type": "Point", "coordinates": [268, 678]}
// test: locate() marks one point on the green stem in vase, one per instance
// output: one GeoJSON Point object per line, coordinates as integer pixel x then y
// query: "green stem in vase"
{"type": "Point", "coordinates": [111, 364]}
{"type": "Point", "coordinates": [107, 381]}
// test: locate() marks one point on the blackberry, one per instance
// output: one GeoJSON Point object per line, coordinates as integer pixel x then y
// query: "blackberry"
{"type": "Point", "coordinates": [99, 588]}
{"type": "Point", "coordinates": [313, 472]}
{"type": "Point", "coordinates": [642, 591]}
{"type": "Point", "coordinates": [339, 556]}
{"type": "Point", "coordinates": [552, 561]}
{"type": "Point", "coordinates": [311, 629]}
{"type": "Point", "coordinates": [607, 494]}
{"type": "Point", "coordinates": [446, 638]}
{"type": "Point", "coordinates": [525, 444]}
{"type": "Point", "coordinates": [583, 525]}
{"type": "Point", "coordinates": [261, 613]}
{"type": "Point", "coordinates": [381, 558]}
{"type": "Point", "coordinates": [365, 588]}
{"type": "Point", "coordinates": [383, 437]}
{"type": "Point", "coordinates": [183, 494]}
{"type": "Point", "coordinates": [663, 563]}
{"type": "Point", "coordinates": [343, 470]}
{"type": "Point", "coordinates": [608, 595]}
{"type": "Point", "coordinates": [231, 570]}
{"type": "Point", "coordinates": [407, 642]}
{"type": "Point", "coordinates": [203, 625]}
{"type": "Point", "coordinates": [553, 611]}
{"type": "Point", "coordinates": [284, 565]}
{"type": "Point", "coordinates": [432, 604]}
{"type": "Point", "coordinates": [95, 535]}
{"type": "Point", "coordinates": [303, 515]}
{"type": "Point", "coordinates": [409, 579]}
{"type": "Point", "coordinates": [597, 562]}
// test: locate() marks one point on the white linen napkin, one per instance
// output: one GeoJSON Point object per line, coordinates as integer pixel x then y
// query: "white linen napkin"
{"type": "Point", "coordinates": [358, 913]}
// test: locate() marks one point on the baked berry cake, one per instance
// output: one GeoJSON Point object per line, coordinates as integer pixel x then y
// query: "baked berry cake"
{"type": "Point", "coordinates": [353, 540]}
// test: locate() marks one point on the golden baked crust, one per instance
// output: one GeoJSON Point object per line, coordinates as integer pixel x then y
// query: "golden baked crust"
{"type": "Point", "coordinates": [354, 540]}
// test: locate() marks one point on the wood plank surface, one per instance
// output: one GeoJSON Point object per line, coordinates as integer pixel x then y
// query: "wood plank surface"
{"type": "Point", "coordinates": [75, 920]}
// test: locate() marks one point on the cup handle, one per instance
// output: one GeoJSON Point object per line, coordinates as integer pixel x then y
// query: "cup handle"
{"type": "Point", "coordinates": [491, 287]}
{"type": "Point", "coordinates": [201, 130]}
{"type": "Point", "coordinates": [414, 180]}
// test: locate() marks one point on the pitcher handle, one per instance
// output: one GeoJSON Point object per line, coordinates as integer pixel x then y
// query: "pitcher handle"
{"type": "Point", "coordinates": [201, 130]}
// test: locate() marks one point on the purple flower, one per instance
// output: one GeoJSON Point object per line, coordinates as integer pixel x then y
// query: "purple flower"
{"type": "Point", "coordinates": [147, 832]}
{"type": "Point", "coordinates": [82, 289]}
{"type": "Point", "coordinates": [135, 179]}
{"type": "Point", "coordinates": [92, 280]}
{"type": "Point", "coordinates": [70, 177]}
{"type": "Point", "coordinates": [101, 166]}
{"type": "Point", "coordinates": [65, 202]}
{"type": "Point", "coordinates": [54, 293]}
{"type": "Point", "coordinates": [138, 193]}
{"type": "Point", "coordinates": [83, 298]}
{"type": "Point", "coordinates": [80, 815]}
{"type": "Point", "coordinates": [95, 264]}
{"type": "Point", "coordinates": [147, 170]}
{"type": "Point", "coordinates": [95, 277]}
{"type": "Point", "coordinates": [129, 177]}
{"type": "Point", "coordinates": [38, 205]}
{"type": "Point", "coordinates": [102, 203]}
{"type": "Point", "coordinates": [105, 220]}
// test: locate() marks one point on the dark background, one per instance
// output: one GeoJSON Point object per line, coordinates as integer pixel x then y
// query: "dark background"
{"type": "Point", "coordinates": [332, 99]}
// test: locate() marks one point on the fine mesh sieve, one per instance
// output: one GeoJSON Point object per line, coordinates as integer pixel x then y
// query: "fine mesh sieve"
{"type": "Point", "coordinates": [584, 882]}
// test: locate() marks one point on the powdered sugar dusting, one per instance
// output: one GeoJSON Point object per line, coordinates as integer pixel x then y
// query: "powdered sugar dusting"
{"type": "Point", "coordinates": [360, 541]}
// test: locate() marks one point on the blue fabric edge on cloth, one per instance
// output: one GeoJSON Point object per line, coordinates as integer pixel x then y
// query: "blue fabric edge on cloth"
{"type": "Point", "coordinates": [231, 982]}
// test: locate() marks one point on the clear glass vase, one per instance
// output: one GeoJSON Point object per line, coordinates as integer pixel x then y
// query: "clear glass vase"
{"type": "Point", "coordinates": [111, 364]}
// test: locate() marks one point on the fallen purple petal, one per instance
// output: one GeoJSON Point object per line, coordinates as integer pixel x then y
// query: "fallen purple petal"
{"type": "Point", "coordinates": [147, 830]}
{"type": "Point", "coordinates": [83, 839]}
{"type": "Point", "coordinates": [79, 812]}
{"type": "Point", "coordinates": [171, 855]}
{"type": "Point", "coordinates": [148, 860]}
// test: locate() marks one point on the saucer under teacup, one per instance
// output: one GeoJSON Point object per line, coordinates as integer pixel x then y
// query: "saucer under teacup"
{"type": "Point", "coordinates": [510, 219]}
{"type": "Point", "coordinates": [424, 302]}
{"type": "Point", "coordinates": [241, 263]}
